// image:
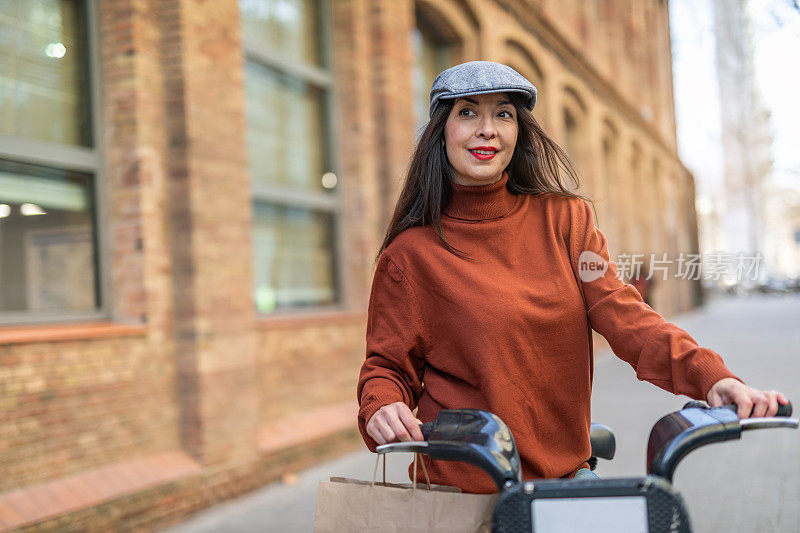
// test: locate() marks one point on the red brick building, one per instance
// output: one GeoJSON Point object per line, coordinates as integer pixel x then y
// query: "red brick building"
{"type": "Point", "coordinates": [191, 197]}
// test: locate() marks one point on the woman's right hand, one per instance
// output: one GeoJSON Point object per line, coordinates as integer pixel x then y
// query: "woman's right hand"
{"type": "Point", "coordinates": [394, 422]}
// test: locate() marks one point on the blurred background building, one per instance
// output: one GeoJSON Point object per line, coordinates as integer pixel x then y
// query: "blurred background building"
{"type": "Point", "coordinates": [191, 197]}
{"type": "Point", "coordinates": [736, 82]}
{"type": "Point", "coordinates": [745, 129]}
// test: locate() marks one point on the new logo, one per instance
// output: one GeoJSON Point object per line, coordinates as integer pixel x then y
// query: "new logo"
{"type": "Point", "coordinates": [591, 266]}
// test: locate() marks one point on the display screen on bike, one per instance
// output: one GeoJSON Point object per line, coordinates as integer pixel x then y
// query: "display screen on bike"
{"type": "Point", "coordinates": [622, 514]}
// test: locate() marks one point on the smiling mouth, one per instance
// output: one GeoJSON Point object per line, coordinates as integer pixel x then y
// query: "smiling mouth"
{"type": "Point", "coordinates": [483, 155]}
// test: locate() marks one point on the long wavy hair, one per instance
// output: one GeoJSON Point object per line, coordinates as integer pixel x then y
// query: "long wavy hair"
{"type": "Point", "coordinates": [538, 166]}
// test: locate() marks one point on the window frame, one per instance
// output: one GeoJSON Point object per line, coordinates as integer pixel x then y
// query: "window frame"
{"type": "Point", "coordinates": [90, 159]}
{"type": "Point", "coordinates": [321, 78]}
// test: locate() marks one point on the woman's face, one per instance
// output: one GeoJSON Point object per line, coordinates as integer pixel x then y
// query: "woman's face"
{"type": "Point", "coordinates": [480, 135]}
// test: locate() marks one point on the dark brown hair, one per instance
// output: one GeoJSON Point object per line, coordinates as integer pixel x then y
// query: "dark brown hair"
{"type": "Point", "coordinates": [538, 166]}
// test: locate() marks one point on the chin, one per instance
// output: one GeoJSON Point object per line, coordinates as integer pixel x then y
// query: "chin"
{"type": "Point", "coordinates": [485, 176]}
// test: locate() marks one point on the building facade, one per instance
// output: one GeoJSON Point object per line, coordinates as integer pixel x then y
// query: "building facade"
{"type": "Point", "coordinates": [746, 139]}
{"type": "Point", "coordinates": [192, 194]}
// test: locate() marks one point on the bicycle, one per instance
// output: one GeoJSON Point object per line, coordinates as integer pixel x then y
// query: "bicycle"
{"type": "Point", "coordinates": [648, 504]}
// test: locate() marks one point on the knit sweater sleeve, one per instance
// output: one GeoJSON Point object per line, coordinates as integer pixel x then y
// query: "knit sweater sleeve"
{"type": "Point", "coordinates": [660, 352]}
{"type": "Point", "coordinates": [394, 365]}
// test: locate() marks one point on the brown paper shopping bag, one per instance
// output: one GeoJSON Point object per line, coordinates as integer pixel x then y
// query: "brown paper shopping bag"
{"type": "Point", "coordinates": [350, 505]}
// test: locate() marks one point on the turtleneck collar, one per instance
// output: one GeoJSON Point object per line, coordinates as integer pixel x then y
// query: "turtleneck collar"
{"type": "Point", "coordinates": [481, 202]}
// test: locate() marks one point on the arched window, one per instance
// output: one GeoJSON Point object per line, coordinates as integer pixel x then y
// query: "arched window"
{"type": "Point", "coordinates": [435, 48]}
{"type": "Point", "coordinates": [518, 58]}
{"type": "Point", "coordinates": [570, 134]}
{"type": "Point", "coordinates": [659, 243]}
{"type": "Point", "coordinates": [652, 181]}
{"type": "Point", "coordinates": [288, 82]}
{"type": "Point", "coordinates": [610, 189]}
{"type": "Point", "coordinates": [636, 201]}
{"type": "Point", "coordinates": [610, 168]}
{"type": "Point", "coordinates": [574, 135]}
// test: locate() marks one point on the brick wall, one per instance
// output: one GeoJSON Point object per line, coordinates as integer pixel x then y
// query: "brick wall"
{"type": "Point", "coordinates": [72, 405]}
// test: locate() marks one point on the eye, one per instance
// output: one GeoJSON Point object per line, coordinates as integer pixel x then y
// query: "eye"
{"type": "Point", "coordinates": [465, 112]}
{"type": "Point", "coordinates": [508, 114]}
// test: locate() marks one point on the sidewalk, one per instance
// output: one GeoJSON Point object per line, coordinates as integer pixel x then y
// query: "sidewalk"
{"type": "Point", "coordinates": [747, 485]}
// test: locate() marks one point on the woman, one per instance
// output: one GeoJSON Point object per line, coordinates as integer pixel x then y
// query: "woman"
{"type": "Point", "coordinates": [480, 292]}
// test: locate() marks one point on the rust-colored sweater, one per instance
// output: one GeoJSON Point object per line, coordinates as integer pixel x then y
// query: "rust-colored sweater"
{"type": "Point", "coordinates": [510, 332]}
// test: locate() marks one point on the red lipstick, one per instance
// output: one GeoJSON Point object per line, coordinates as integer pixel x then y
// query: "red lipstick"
{"type": "Point", "coordinates": [488, 152]}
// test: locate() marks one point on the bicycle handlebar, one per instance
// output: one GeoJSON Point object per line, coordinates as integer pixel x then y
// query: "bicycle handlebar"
{"type": "Point", "coordinates": [471, 436]}
{"type": "Point", "coordinates": [482, 439]}
{"type": "Point", "coordinates": [676, 435]}
{"type": "Point", "coordinates": [783, 410]}
{"type": "Point", "coordinates": [427, 429]}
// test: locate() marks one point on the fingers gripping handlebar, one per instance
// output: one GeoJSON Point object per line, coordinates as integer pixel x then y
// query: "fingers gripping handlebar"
{"type": "Point", "coordinates": [677, 434]}
{"type": "Point", "coordinates": [426, 429]}
{"type": "Point", "coordinates": [471, 436]}
{"type": "Point", "coordinates": [783, 410]}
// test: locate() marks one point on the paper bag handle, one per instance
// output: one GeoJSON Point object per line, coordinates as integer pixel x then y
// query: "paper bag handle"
{"type": "Point", "coordinates": [424, 470]}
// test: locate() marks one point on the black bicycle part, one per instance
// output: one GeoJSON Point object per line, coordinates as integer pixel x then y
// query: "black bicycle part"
{"type": "Point", "coordinates": [677, 434]}
{"type": "Point", "coordinates": [783, 410]}
{"type": "Point", "coordinates": [604, 445]}
{"type": "Point", "coordinates": [515, 512]}
{"type": "Point", "coordinates": [476, 437]}
{"type": "Point", "coordinates": [696, 425]}
{"type": "Point", "coordinates": [603, 442]}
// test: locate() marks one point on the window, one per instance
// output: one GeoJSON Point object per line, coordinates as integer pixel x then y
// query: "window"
{"type": "Point", "coordinates": [288, 86]}
{"type": "Point", "coordinates": [574, 136]}
{"type": "Point", "coordinates": [610, 196]}
{"type": "Point", "coordinates": [49, 261]}
{"type": "Point", "coordinates": [637, 200]}
{"type": "Point", "coordinates": [570, 135]}
{"type": "Point", "coordinates": [432, 54]}
{"type": "Point", "coordinates": [519, 58]}
{"type": "Point", "coordinates": [609, 174]}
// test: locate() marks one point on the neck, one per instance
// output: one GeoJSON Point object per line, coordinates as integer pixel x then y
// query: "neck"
{"type": "Point", "coordinates": [475, 183]}
{"type": "Point", "coordinates": [481, 202]}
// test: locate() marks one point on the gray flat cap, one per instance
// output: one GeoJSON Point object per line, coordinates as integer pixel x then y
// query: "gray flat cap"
{"type": "Point", "coordinates": [479, 77]}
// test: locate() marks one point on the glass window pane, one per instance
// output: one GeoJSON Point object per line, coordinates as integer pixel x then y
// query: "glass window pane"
{"type": "Point", "coordinates": [47, 240]}
{"type": "Point", "coordinates": [43, 75]}
{"type": "Point", "coordinates": [431, 57]}
{"type": "Point", "coordinates": [293, 257]}
{"type": "Point", "coordinates": [285, 130]}
{"type": "Point", "coordinates": [288, 27]}
{"type": "Point", "coordinates": [570, 135]}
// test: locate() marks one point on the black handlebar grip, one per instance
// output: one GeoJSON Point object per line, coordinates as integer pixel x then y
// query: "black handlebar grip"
{"type": "Point", "coordinates": [783, 410]}
{"type": "Point", "coordinates": [426, 429]}
{"type": "Point", "coordinates": [695, 404]}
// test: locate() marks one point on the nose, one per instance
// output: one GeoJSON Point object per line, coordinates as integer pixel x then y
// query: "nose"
{"type": "Point", "coordinates": [486, 127]}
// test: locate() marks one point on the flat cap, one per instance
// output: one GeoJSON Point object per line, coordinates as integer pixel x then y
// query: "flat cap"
{"type": "Point", "coordinates": [479, 77]}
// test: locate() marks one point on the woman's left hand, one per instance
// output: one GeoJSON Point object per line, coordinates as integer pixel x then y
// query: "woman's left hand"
{"type": "Point", "coordinates": [750, 402]}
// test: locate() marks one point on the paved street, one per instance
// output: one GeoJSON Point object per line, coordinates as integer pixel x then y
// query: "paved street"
{"type": "Point", "coordinates": [747, 485]}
